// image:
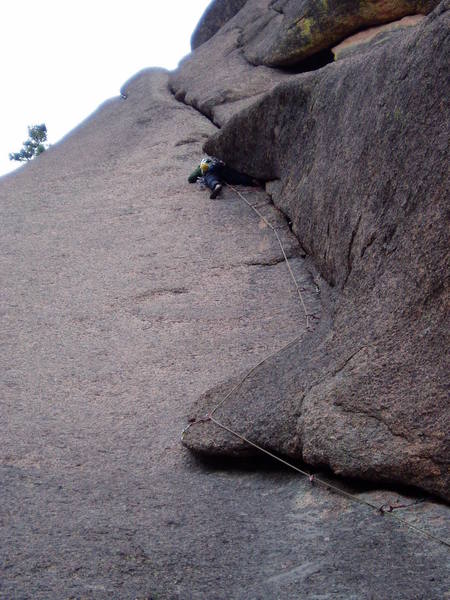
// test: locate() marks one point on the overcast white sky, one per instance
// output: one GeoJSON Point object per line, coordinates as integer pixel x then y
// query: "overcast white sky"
{"type": "Point", "coordinates": [60, 59]}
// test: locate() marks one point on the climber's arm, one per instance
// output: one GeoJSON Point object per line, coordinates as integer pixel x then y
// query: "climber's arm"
{"type": "Point", "coordinates": [195, 175]}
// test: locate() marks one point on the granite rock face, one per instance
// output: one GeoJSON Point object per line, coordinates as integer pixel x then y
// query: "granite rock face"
{"type": "Point", "coordinates": [233, 65]}
{"type": "Point", "coordinates": [127, 295]}
{"type": "Point", "coordinates": [359, 41]}
{"type": "Point", "coordinates": [357, 157]}
{"type": "Point", "coordinates": [215, 16]}
{"type": "Point", "coordinates": [292, 30]}
{"type": "Point", "coordinates": [217, 79]}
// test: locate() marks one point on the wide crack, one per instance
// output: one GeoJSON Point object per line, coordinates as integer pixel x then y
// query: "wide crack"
{"type": "Point", "coordinates": [312, 63]}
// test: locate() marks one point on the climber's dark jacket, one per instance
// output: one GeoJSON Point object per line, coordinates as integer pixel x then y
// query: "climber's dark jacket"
{"type": "Point", "coordinates": [219, 173]}
{"type": "Point", "coordinates": [195, 175]}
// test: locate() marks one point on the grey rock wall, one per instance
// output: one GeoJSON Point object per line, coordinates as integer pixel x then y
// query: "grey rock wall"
{"type": "Point", "coordinates": [266, 42]}
{"type": "Point", "coordinates": [127, 294]}
{"type": "Point", "coordinates": [290, 31]}
{"type": "Point", "coordinates": [357, 152]}
{"type": "Point", "coordinates": [215, 16]}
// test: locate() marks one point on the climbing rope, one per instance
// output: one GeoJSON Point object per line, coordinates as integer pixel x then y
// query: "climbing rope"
{"type": "Point", "coordinates": [313, 479]}
{"type": "Point", "coordinates": [382, 510]}
{"type": "Point", "coordinates": [255, 208]}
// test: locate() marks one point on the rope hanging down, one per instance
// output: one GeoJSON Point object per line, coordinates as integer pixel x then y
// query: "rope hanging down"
{"type": "Point", "coordinates": [281, 246]}
{"type": "Point", "coordinates": [313, 479]}
{"type": "Point", "coordinates": [382, 510]}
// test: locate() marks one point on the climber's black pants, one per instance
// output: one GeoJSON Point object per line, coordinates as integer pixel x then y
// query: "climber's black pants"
{"type": "Point", "coordinates": [223, 173]}
{"type": "Point", "coordinates": [211, 178]}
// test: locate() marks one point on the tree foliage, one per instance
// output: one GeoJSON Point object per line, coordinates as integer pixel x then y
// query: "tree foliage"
{"type": "Point", "coordinates": [34, 145]}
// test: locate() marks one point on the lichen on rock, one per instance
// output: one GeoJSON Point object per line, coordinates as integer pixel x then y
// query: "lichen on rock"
{"type": "Point", "coordinates": [308, 26]}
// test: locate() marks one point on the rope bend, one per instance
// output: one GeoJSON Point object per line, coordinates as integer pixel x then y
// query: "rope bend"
{"type": "Point", "coordinates": [384, 509]}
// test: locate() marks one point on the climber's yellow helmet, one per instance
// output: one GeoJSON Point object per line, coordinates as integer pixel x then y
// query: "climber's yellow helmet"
{"type": "Point", "coordinates": [205, 164]}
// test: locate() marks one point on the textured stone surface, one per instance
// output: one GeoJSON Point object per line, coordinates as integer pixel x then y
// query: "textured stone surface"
{"type": "Point", "coordinates": [290, 31]}
{"type": "Point", "coordinates": [126, 294]}
{"type": "Point", "coordinates": [359, 41]}
{"type": "Point", "coordinates": [217, 80]}
{"type": "Point", "coordinates": [359, 151]}
{"type": "Point", "coordinates": [227, 72]}
{"type": "Point", "coordinates": [215, 16]}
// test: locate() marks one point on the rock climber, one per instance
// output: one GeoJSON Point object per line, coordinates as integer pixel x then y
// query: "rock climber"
{"type": "Point", "coordinates": [214, 172]}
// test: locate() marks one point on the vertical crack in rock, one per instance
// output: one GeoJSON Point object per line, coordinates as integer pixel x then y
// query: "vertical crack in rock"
{"type": "Point", "coordinates": [350, 250]}
{"type": "Point", "coordinates": [113, 275]}
{"type": "Point", "coordinates": [345, 152]}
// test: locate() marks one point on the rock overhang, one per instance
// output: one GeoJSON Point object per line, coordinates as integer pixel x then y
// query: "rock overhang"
{"type": "Point", "coordinates": [347, 150]}
{"type": "Point", "coordinates": [234, 65]}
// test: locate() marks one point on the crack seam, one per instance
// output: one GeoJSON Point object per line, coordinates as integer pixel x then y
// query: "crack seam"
{"type": "Point", "coordinates": [350, 248]}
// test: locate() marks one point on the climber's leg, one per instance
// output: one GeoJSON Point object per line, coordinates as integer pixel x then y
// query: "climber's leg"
{"type": "Point", "coordinates": [213, 182]}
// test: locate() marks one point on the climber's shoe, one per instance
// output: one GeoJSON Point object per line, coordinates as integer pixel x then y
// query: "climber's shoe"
{"type": "Point", "coordinates": [215, 191]}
